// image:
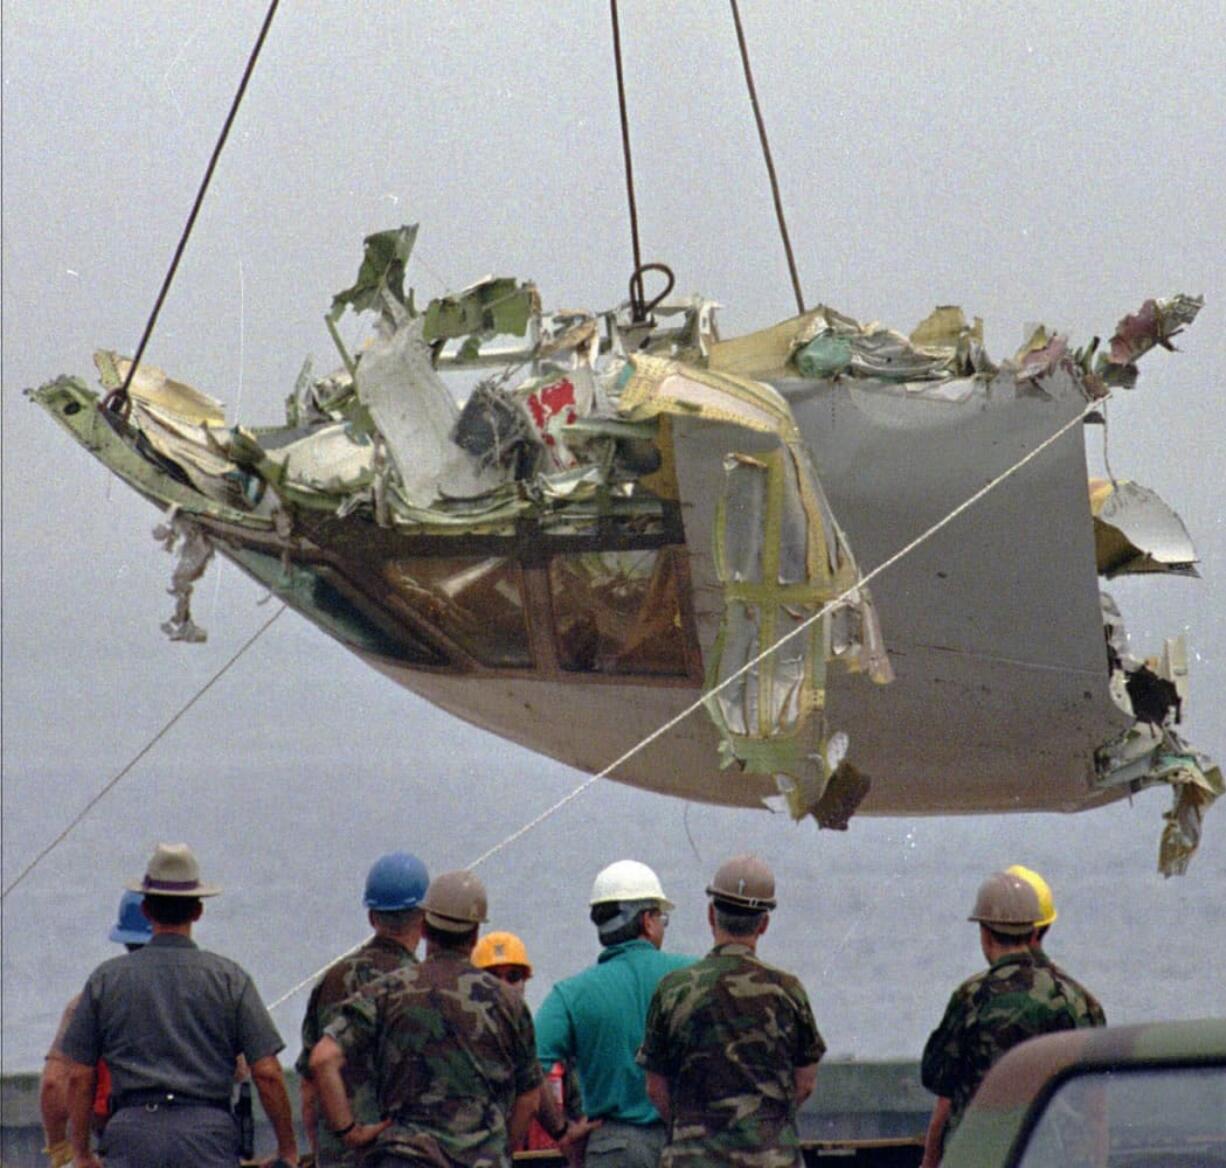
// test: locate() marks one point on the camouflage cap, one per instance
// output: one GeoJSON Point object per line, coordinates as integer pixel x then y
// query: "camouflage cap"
{"type": "Point", "coordinates": [744, 882]}
{"type": "Point", "coordinates": [1006, 903]}
{"type": "Point", "coordinates": [455, 902]}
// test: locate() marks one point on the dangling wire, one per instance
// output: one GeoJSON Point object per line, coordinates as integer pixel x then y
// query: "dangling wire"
{"type": "Point", "coordinates": [117, 400]}
{"type": "Point", "coordinates": [766, 153]}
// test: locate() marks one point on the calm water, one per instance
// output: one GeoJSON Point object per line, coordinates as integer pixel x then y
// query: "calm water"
{"type": "Point", "coordinates": [872, 919]}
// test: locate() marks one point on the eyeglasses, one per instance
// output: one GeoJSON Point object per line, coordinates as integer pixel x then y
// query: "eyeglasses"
{"type": "Point", "coordinates": [664, 918]}
{"type": "Point", "coordinates": [513, 976]}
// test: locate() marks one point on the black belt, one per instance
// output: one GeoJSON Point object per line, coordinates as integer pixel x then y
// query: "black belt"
{"type": "Point", "coordinates": [153, 1098]}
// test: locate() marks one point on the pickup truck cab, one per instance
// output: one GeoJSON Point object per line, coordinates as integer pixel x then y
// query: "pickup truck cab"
{"type": "Point", "coordinates": [1120, 1097]}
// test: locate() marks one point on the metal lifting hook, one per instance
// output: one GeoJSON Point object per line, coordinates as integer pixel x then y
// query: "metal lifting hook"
{"type": "Point", "coordinates": [641, 310]}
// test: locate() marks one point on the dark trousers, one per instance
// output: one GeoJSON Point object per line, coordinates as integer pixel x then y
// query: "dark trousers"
{"type": "Point", "coordinates": [171, 1136]}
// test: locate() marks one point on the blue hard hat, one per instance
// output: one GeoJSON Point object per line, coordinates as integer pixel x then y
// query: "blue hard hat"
{"type": "Point", "coordinates": [396, 881]}
{"type": "Point", "coordinates": [131, 927]}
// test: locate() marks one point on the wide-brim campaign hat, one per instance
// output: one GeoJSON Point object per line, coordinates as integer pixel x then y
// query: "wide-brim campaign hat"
{"type": "Point", "coordinates": [173, 871]}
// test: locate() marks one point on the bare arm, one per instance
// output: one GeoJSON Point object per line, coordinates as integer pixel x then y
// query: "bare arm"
{"type": "Point", "coordinates": [803, 1081]}
{"type": "Point", "coordinates": [553, 1118]}
{"type": "Point", "coordinates": [53, 1099]}
{"type": "Point", "coordinates": [82, 1081]}
{"type": "Point", "coordinates": [934, 1138]}
{"type": "Point", "coordinates": [522, 1112]}
{"type": "Point", "coordinates": [658, 1093]}
{"type": "Point", "coordinates": [327, 1059]}
{"type": "Point", "coordinates": [270, 1084]}
{"type": "Point", "coordinates": [310, 1112]}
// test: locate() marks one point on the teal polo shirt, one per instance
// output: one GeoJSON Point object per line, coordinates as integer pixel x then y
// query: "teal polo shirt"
{"type": "Point", "coordinates": [595, 1020]}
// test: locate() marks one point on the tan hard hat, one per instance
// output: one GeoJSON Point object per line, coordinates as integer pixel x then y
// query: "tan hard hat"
{"type": "Point", "coordinates": [1047, 904]}
{"type": "Point", "coordinates": [744, 881]}
{"type": "Point", "coordinates": [455, 902]}
{"type": "Point", "coordinates": [1007, 903]}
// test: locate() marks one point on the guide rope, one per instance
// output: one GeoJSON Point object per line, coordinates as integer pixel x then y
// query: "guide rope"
{"type": "Point", "coordinates": [117, 400]}
{"type": "Point", "coordinates": [113, 782]}
{"type": "Point", "coordinates": [699, 703]}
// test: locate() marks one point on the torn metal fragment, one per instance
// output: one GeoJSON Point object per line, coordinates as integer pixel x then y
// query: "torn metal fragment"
{"type": "Point", "coordinates": [1136, 532]}
{"type": "Point", "coordinates": [195, 551]}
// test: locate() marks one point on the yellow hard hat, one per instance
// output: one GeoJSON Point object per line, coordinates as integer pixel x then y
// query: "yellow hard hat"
{"type": "Point", "coordinates": [1047, 906]}
{"type": "Point", "coordinates": [501, 949]}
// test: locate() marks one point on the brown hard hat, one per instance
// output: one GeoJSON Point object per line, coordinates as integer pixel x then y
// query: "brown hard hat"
{"type": "Point", "coordinates": [1007, 903]}
{"type": "Point", "coordinates": [745, 882]}
{"type": "Point", "coordinates": [455, 902]}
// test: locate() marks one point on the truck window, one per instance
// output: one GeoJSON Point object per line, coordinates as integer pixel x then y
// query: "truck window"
{"type": "Point", "coordinates": [1135, 1118]}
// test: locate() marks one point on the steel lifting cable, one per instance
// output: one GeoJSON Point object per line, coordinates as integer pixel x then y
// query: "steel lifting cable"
{"type": "Point", "coordinates": [766, 154]}
{"type": "Point", "coordinates": [111, 783]}
{"type": "Point", "coordinates": [117, 400]}
{"type": "Point", "coordinates": [699, 703]}
{"type": "Point", "coordinates": [636, 308]}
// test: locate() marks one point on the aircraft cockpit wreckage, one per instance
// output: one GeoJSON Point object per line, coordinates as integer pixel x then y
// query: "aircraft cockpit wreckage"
{"type": "Point", "coordinates": [627, 509]}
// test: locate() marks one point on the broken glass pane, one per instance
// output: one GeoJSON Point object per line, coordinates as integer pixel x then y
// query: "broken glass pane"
{"type": "Point", "coordinates": [618, 612]}
{"type": "Point", "coordinates": [475, 601]}
{"type": "Point", "coordinates": [308, 589]}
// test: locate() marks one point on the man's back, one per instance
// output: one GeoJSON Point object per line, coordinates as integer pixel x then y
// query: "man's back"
{"type": "Point", "coordinates": [1014, 999]}
{"type": "Point", "coordinates": [595, 1020]}
{"type": "Point", "coordinates": [170, 1017]}
{"type": "Point", "coordinates": [377, 957]}
{"type": "Point", "coordinates": [453, 1047]}
{"type": "Point", "coordinates": [728, 1033]}
{"type": "Point", "coordinates": [1080, 998]}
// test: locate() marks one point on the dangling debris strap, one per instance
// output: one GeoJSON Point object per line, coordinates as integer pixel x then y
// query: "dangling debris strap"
{"type": "Point", "coordinates": [766, 154]}
{"type": "Point", "coordinates": [118, 399]}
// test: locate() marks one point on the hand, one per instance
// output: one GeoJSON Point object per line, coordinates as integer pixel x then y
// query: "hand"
{"type": "Point", "coordinates": [363, 1134]}
{"type": "Point", "coordinates": [573, 1144]}
{"type": "Point", "coordinates": [59, 1155]}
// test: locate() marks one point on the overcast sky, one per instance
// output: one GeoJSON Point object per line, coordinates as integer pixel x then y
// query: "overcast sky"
{"type": "Point", "coordinates": [1030, 161]}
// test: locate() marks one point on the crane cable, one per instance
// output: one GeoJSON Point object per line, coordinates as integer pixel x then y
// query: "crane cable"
{"type": "Point", "coordinates": [117, 400]}
{"type": "Point", "coordinates": [708, 694]}
{"type": "Point", "coordinates": [766, 154]}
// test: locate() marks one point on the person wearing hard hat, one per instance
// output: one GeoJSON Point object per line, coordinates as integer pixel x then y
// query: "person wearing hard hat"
{"type": "Point", "coordinates": [594, 1020]}
{"type": "Point", "coordinates": [171, 1020]}
{"type": "Point", "coordinates": [131, 930]}
{"type": "Point", "coordinates": [1047, 918]}
{"type": "Point", "coordinates": [731, 1048]}
{"type": "Point", "coordinates": [451, 1045]}
{"type": "Point", "coordinates": [560, 1122]}
{"type": "Point", "coordinates": [1014, 999]}
{"type": "Point", "coordinates": [395, 887]}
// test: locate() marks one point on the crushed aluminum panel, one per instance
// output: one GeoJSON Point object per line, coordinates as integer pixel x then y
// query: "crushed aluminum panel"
{"type": "Point", "coordinates": [1002, 687]}
{"type": "Point", "coordinates": [416, 414]}
{"type": "Point", "coordinates": [151, 385]}
{"type": "Point", "coordinates": [332, 458]}
{"type": "Point", "coordinates": [1136, 532]}
{"type": "Point", "coordinates": [780, 557]}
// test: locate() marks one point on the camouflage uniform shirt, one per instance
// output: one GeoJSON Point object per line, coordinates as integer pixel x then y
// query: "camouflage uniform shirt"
{"type": "Point", "coordinates": [1015, 998]}
{"type": "Point", "coordinates": [451, 1047]}
{"type": "Point", "coordinates": [728, 1034]}
{"type": "Point", "coordinates": [378, 956]}
{"type": "Point", "coordinates": [1093, 1008]}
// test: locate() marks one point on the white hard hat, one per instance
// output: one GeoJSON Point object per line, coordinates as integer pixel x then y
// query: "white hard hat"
{"type": "Point", "coordinates": [628, 880]}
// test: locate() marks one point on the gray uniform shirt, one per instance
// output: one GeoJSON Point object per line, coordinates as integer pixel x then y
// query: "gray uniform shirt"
{"type": "Point", "coordinates": [171, 1017]}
